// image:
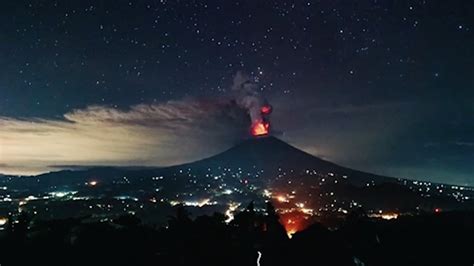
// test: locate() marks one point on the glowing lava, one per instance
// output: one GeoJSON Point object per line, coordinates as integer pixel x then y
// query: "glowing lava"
{"type": "Point", "coordinates": [260, 128]}
{"type": "Point", "coordinates": [266, 110]}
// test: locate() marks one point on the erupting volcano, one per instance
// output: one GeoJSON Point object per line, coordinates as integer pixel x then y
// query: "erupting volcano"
{"type": "Point", "coordinates": [261, 127]}
{"type": "Point", "coordinates": [249, 98]}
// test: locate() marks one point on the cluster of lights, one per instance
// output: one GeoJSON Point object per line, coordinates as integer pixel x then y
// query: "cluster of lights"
{"type": "Point", "coordinates": [296, 208]}
{"type": "Point", "coordinates": [3, 221]}
{"type": "Point", "coordinates": [282, 199]}
{"type": "Point", "coordinates": [199, 203]}
{"type": "Point", "coordinates": [233, 206]}
{"type": "Point", "coordinates": [384, 215]}
{"type": "Point", "coordinates": [62, 194]}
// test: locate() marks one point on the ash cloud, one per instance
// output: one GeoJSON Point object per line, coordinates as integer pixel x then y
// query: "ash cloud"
{"type": "Point", "coordinates": [248, 96]}
{"type": "Point", "coordinates": [144, 135]}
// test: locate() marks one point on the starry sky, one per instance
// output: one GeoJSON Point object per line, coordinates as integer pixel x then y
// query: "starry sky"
{"type": "Point", "coordinates": [381, 86]}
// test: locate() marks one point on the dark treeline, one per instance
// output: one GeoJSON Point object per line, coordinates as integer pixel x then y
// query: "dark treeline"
{"type": "Point", "coordinates": [251, 238]}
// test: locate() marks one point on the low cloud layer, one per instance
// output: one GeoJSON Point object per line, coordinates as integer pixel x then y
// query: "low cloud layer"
{"type": "Point", "coordinates": [158, 135]}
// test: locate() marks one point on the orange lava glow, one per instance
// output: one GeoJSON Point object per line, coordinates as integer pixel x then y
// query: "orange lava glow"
{"type": "Point", "coordinates": [260, 128]}
{"type": "Point", "coordinates": [294, 222]}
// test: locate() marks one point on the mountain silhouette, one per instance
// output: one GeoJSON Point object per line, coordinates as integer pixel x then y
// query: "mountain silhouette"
{"type": "Point", "coordinates": [268, 154]}
{"type": "Point", "coordinates": [273, 155]}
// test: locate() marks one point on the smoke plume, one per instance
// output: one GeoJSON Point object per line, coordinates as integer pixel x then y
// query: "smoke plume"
{"type": "Point", "coordinates": [249, 98]}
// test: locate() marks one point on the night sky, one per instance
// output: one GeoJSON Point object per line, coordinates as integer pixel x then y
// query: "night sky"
{"type": "Point", "coordinates": [380, 86]}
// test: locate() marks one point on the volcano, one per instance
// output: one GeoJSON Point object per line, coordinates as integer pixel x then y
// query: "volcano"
{"type": "Point", "coordinates": [272, 155]}
{"type": "Point", "coordinates": [268, 155]}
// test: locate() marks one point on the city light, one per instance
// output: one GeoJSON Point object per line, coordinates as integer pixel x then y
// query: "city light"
{"type": "Point", "coordinates": [290, 233]}
{"type": "Point", "coordinates": [62, 194]}
{"type": "Point", "coordinates": [389, 216]}
{"type": "Point", "coordinates": [230, 211]}
{"type": "Point", "coordinates": [282, 199]}
{"type": "Point", "coordinates": [385, 216]}
{"type": "Point", "coordinates": [267, 193]}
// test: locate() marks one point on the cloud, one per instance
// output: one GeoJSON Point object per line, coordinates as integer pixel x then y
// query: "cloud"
{"type": "Point", "coordinates": [247, 95]}
{"type": "Point", "coordinates": [148, 135]}
{"type": "Point", "coordinates": [465, 143]}
{"type": "Point", "coordinates": [387, 138]}
{"type": "Point", "coordinates": [351, 135]}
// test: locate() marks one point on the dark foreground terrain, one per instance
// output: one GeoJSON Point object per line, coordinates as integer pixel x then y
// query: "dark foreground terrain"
{"type": "Point", "coordinates": [250, 239]}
